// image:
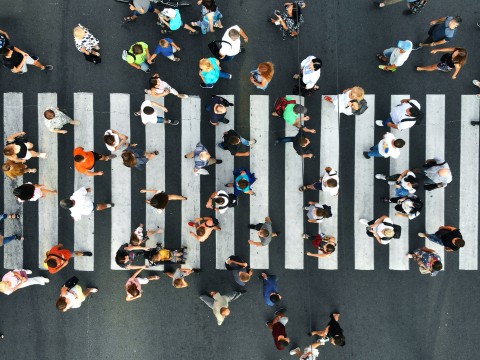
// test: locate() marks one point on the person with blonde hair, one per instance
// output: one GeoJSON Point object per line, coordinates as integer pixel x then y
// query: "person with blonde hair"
{"type": "Point", "coordinates": [54, 120]}
{"type": "Point", "coordinates": [13, 169]}
{"type": "Point", "coordinates": [178, 277]}
{"type": "Point", "coordinates": [210, 72]}
{"type": "Point", "coordinates": [86, 43]}
{"type": "Point", "coordinates": [349, 102]}
{"type": "Point", "coordinates": [17, 279]}
{"type": "Point", "coordinates": [262, 76]}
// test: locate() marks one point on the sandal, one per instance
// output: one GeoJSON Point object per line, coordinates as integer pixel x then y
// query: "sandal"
{"type": "Point", "coordinates": [303, 188]}
{"type": "Point", "coordinates": [128, 19]}
{"type": "Point", "coordinates": [193, 32]}
{"type": "Point", "coordinates": [165, 31]}
{"type": "Point", "coordinates": [14, 216]}
{"type": "Point", "coordinates": [328, 98]}
{"type": "Point", "coordinates": [155, 152]}
{"type": "Point", "coordinates": [382, 58]}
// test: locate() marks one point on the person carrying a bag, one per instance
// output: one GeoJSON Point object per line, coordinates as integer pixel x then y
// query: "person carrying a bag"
{"type": "Point", "coordinates": [429, 262]}
{"type": "Point", "coordinates": [231, 44]}
{"type": "Point", "coordinates": [87, 44]}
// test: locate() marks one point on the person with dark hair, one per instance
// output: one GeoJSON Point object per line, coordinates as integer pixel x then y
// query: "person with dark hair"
{"type": "Point", "coordinates": [455, 59]}
{"type": "Point", "coordinates": [316, 212]}
{"type": "Point", "coordinates": [270, 289]}
{"type": "Point", "coordinates": [54, 120]}
{"type": "Point", "coordinates": [389, 146]}
{"type": "Point", "coordinates": [329, 182]}
{"type": "Point", "coordinates": [160, 199]}
{"type": "Point", "coordinates": [218, 109]}
{"type": "Point", "coordinates": [278, 329]}
{"type": "Point", "coordinates": [403, 116]}
{"type": "Point", "coordinates": [126, 255]}
{"type": "Point", "coordinates": [114, 140]}
{"type": "Point", "coordinates": [240, 270]}
{"type": "Point", "coordinates": [72, 298]}
{"type": "Point", "coordinates": [202, 158]}
{"type": "Point", "coordinates": [221, 201]}
{"type": "Point", "coordinates": [140, 7]}
{"type": "Point", "coordinates": [436, 173]}
{"type": "Point", "coordinates": [84, 161]}
{"type": "Point", "coordinates": [325, 244]}
{"type": "Point", "coordinates": [57, 258]}
{"type": "Point", "coordinates": [332, 332]}
{"type": "Point", "coordinates": [301, 144]}
{"type": "Point", "coordinates": [211, 16]}
{"type": "Point", "coordinates": [149, 114]}
{"type": "Point", "coordinates": [81, 204]}
{"type": "Point", "coordinates": [17, 60]}
{"type": "Point", "coordinates": [408, 206]}
{"type": "Point", "coordinates": [405, 183]}
{"type": "Point", "coordinates": [160, 88]}
{"type": "Point", "coordinates": [441, 31]}
{"type": "Point", "coordinates": [219, 303]}
{"type": "Point", "coordinates": [137, 56]}
{"type": "Point", "coordinates": [13, 169]}
{"type": "Point", "coordinates": [133, 286]}
{"type": "Point", "coordinates": [19, 149]}
{"type": "Point", "coordinates": [31, 192]}
{"type": "Point", "coordinates": [395, 57]}
{"type": "Point", "coordinates": [429, 262]}
{"type": "Point", "coordinates": [203, 227]}
{"type": "Point", "coordinates": [291, 19]}
{"type": "Point", "coordinates": [243, 181]}
{"type": "Point", "coordinates": [308, 76]}
{"type": "Point", "coordinates": [262, 75]}
{"type": "Point", "coordinates": [264, 231]}
{"type": "Point", "coordinates": [137, 158]}
{"type": "Point", "coordinates": [382, 229]}
{"type": "Point", "coordinates": [231, 43]}
{"type": "Point", "coordinates": [237, 145]}
{"type": "Point", "coordinates": [446, 235]}
{"type": "Point", "coordinates": [293, 113]}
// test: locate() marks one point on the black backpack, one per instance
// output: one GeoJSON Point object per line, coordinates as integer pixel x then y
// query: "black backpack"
{"type": "Point", "coordinates": [328, 210]}
{"type": "Point", "coordinates": [396, 228]}
{"type": "Point", "coordinates": [362, 107]}
{"type": "Point", "coordinates": [215, 47]}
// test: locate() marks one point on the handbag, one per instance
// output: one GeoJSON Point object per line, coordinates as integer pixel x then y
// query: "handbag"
{"type": "Point", "coordinates": [215, 47]}
{"type": "Point", "coordinates": [93, 58]}
{"type": "Point", "coordinates": [70, 283]}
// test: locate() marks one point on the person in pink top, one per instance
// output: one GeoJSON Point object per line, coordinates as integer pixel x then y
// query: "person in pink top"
{"type": "Point", "coordinates": [133, 287]}
{"type": "Point", "coordinates": [17, 279]}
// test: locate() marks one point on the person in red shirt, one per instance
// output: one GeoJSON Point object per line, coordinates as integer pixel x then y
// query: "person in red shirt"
{"type": "Point", "coordinates": [57, 258]}
{"type": "Point", "coordinates": [277, 327]}
{"type": "Point", "coordinates": [85, 161]}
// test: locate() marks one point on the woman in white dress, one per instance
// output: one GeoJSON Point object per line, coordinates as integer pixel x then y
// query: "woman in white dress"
{"type": "Point", "coordinates": [348, 101]}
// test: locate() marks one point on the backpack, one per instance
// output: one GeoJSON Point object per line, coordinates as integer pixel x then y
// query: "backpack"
{"type": "Point", "coordinates": [232, 200]}
{"type": "Point", "coordinates": [126, 54]}
{"type": "Point", "coordinates": [3, 41]}
{"type": "Point", "coordinates": [396, 228]}
{"type": "Point", "coordinates": [328, 210]}
{"type": "Point", "coordinates": [215, 47]}
{"type": "Point", "coordinates": [281, 103]}
{"type": "Point", "coordinates": [361, 108]}
{"type": "Point", "coordinates": [417, 119]}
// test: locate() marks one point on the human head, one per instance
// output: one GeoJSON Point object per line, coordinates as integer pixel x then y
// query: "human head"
{"type": "Point", "coordinates": [338, 340]}
{"type": "Point", "coordinates": [78, 32]}
{"type": "Point", "coordinates": [121, 257]}
{"type": "Point", "coordinates": [201, 231]}
{"type": "Point", "coordinates": [242, 184]}
{"type": "Point", "coordinates": [389, 232]}
{"type": "Point", "coordinates": [234, 34]}
{"type": "Point", "coordinates": [455, 22]}
{"type": "Point", "coordinates": [148, 110]}
{"type": "Point", "coordinates": [61, 303]}
{"type": "Point", "coordinates": [304, 141]}
{"type": "Point", "coordinates": [220, 200]}
{"type": "Point", "coordinates": [179, 283]}
{"type": "Point", "coordinates": [129, 159]}
{"type": "Point", "coordinates": [52, 263]}
{"type": "Point", "coordinates": [137, 49]}
{"type": "Point", "coordinates": [266, 70]}
{"type": "Point", "coordinates": [299, 109]}
{"type": "Point", "coordinates": [225, 311]}
{"type": "Point", "coordinates": [205, 65]}
{"type": "Point", "coordinates": [134, 240]}
{"type": "Point", "coordinates": [66, 203]}
{"type": "Point", "coordinates": [49, 114]}
{"type": "Point", "coordinates": [399, 143]}
{"type": "Point", "coordinates": [79, 158]}
{"type": "Point", "coordinates": [163, 43]}
{"type": "Point", "coordinates": [24, 192]}
{"type": "Point", "coordinates": [330, 248]}
{"type": "Point", "coordinates": [319, 212]}
{"type": "Point", "coordinates": [459, 242]}
{"type": "Point", "coordinates": [331, 183]}
{"type": "Point", "coordinates": [460, 56]}
{"type": "Point", "coordinates": [275, 297]}
{"type": "Point", "coordinates": [234, 140]}
{"type": "Point", "coordinates": [9, 150]}
{"type": "Point", "coordinates": [357, 93]}
{"type": "Point", "coordinates": [263, 233]}
{"type": "Point", "coordinates": [209, 4]}
{"type": "Point", "coordinates": [244, 277]}
{"type": "Point", "coordinates": [437, 265]}
{"type": "Point", "coordinates": [159, 201]}
{"type": "Point", "coordinates": [133, 290]}
{"type": "Point", "coordinates": [413, 111]}
{"type": "Point", "coordinates": [316, 64]}
{"type": "Point", "coordinates": [109, 139]}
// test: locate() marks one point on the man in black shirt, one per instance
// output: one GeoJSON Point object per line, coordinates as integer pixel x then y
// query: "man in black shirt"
{"type": "Point", "coordinates": [447, 236]}
{"type": "Point", "coordinates": [17, 60]}
{"type": "Point", "coordinates": [301, 144]}
{"type": "Point", "coordinates": [333, 332]}
{"type": "Point", "coordinates": [237, 145]}
{"type": "Point", "coordinates": [218, 109]}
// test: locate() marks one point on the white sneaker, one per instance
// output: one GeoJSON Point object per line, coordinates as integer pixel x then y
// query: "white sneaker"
{"type": "Point", "coordinates": [476, 83]}
{"type": "Point", "coordinates": [28, 272]}
{"type": "Point", "coordinates": [93, 290]}
{"type": "Point", "coordinates": [422, 235]}
{"type": "Point", "coordinates": [46, 280]}
{"type": "Point", "coordinates": [363, 221]}
{"type": "Point", "coordinates": [183, 96]}
{"type": "Point", "coordinates": [379, 122]}
{"type": "Point", "coordinates": [380, 177]}
{"type": "Point", "coordinates": [43, 155]}
{"type": "Point", "coordinates": [294, 351]}
{"type": "Point", "coordinates": [306, 208]}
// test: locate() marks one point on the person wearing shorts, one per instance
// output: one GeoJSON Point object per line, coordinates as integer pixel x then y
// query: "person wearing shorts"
{"type": "Point", "coordinates": [160, 88]}
{"type": "Point", "coordinates": [150, 115]}
{"type": "Point", "coordinates": [72, 298]}
{"type": "Point", "coordinates": [140, 7]}
{"type": "Point", "coordinates": [167, 48]}
{"type": "Point", "coordinates": [278, 330]}
{"type": "Point", "coordinates": [84, 161]}
{"type": "Point", "coordinates": [17, 60]}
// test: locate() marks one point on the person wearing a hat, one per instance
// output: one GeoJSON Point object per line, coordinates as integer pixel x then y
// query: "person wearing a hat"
{"type": "Point", "coordinates": [395, 56]}
{"type": "Point", "coordinates": [403, 116]}
{"type": "Point", "coordinates": [172, 19]}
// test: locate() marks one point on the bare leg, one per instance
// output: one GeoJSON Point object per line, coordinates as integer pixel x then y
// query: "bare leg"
{"type": "Point", "coordinates": [176, 197]}
{"type": "Point", "coordinates": [89, 291]}
{"type": "Point", "coordinates": [189, 155]}
{"type": "Point", "coordinates": [189, 28]}
{"type": "Point", "coordinates": [427, 68]}
{"type": "Point", "coordinates": [101, 207]}
{"type": "Point", "coordinates": [37, 64]}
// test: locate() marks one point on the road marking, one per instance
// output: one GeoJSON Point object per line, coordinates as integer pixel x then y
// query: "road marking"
{"type": "Point", "coordinates": [364, 177]}
{"type": "Point", "coordinates": [259, 156]}
{"type": "Point", "coordinates": [48, 176]}
{"type": "Point", "coordinates": [469, 157]}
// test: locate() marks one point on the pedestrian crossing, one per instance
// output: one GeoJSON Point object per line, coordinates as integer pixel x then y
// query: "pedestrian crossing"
{"type": "Point", "coordinates": [50, 172]}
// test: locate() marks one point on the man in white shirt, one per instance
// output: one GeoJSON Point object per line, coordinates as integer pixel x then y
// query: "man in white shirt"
{"type": "Point", "coordinates": [389, 146]}
{"type": "Point", "coordinates": [149, 114]}
{"type": "Point", "coordinates": [232, 37]}
{"type": "Point", "coordinates": [329, 182]}
{"type": "Point", "coordinates": [81, 204]}
{"type": "Point", "coordinates": [403, 116]}
{"type": "Point", "coordinates": [395, 56]}
{"type": "Point", "coordinates": [437, 173]}
{"type": "Point", "coordinates": [219, 303]}
{"type": "Point", "coordinates": [309, 75]}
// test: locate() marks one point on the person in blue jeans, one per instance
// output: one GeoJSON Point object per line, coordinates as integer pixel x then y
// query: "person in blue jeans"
{"type": "Point", "coordinates": [243, 181]}
{"type": "Point", "coordinates": [389, 146]}
{"type": "Point", "coordinates": [270, 289]}
{"type": "Point", "coordinates": [140, 7]}
{"type": "Point", "coordinates": [4, 240]}
{"type": "Point", "coordinates": [210, 72]}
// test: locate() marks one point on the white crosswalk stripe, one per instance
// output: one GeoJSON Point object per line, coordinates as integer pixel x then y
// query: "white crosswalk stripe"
{"type": "Point", "coordinates": [364, 248]}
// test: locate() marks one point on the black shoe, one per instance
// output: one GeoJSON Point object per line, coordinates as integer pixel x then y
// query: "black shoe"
{"type": "Point", "coordinates": [196, 271]}
{"type": "Point", "coordinates": [407, 12]}
{"type": "Point", "coordinates": [147, 71]}
{"type": "Point", "coordinates": [365, 155]}
{"type": "Point", "coordinates": [86, 253]}
{"type": "Point", "coordinates": [474, 123]}
{"type": "Point", "coordinates": [280, 311]}
{"type": "Point", "coordinates": [309, 334]}
{"type": "Point", "coordinates": [377, 4]}
{"type": "Point", "coordinates": [226, 121]}
{"type": "Point", "coordinates": [218, 161]}
{"type": "Point", "coordinates": [242, 291]}
{"type": "Point", "coordinates": [112, 205]}
{"type": "Point", "coordinates": [153, 61]}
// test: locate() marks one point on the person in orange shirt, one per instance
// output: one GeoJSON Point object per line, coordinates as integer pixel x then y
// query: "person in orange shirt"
{"type": "Point", "coordinates": [85, 161]}
{"type": "Point", "coordinates": [57, 258]}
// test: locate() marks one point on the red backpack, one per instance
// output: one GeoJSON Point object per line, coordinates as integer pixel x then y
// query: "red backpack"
{"type": "Point", "coordinates": [281, 103]}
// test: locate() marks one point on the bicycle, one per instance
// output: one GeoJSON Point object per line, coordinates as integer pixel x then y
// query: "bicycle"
{"type": "Point", "coordinates": [167, 3]}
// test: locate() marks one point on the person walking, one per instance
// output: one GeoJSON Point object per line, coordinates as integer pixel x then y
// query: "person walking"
{"type": "Point", "coordinates": [211, 17]}
{"type": "Point", "coordinates": [448, 236]}
{"type": "Point", "coordinates": [81, 204]}
{"type": "Point", "coordinates": [203, 227]}
{"type": "Point", "coordinates": [389, 146]}
{"type": "Point", "coordinates": [160, 88]}
{"type": "Point", "coordinates": [382, 229]}
{"type": "Point", "coordinates": [308, 76]}
{"type": "Point", "coordinates": [172, 19]}
{"type": "Point", "coordinates": [428, 261]}
{"type": "Point", "coordinates": [278, 329]}
{"type": "Point", "coordinates": [405, 183]}
{"type": "Point", "coordinates": [262, 75]}
{"type": "Point", "coordinates": [240, 270]}
{"type": "Point", "coordinates": [218, 110]}
{"type": "Point", "coordinates": [137, 56]}
{"type": "Point", "coordinates": [18, 279]}
{"type": "Point", "coordinates": [57, 258]}
{"type": "Point", "coordinates": [140, 236]}
{"type": "Point", "coordinates": [291, 112]}
{"type": "Point", "coordinates": [243, 181]}
{"type": "Point", "coordinates": [271, 295]}
{"type": "Point", "coordinates": [403, 116]}
{"type": "Point", "coordinates": [19, 149]}
{"type": "Point", "coordinates": [31, 192]}
{"type": "Point", "coordinates": [413, 6]}
{"type": "Point", "coordinates": [235, 144]}
{"type": "Point", "coordinates": [220, 303]}
{"type": "Point", "coordinates": [408, 206]}
{"type": "Point", "coordinates": [332, 332]}
{"type": "Point", "coordinates": [4, 39]}
{"type": "Point", "coordinates": [179, 275]}
{"type": "Point", "coordinates": [133, 286]}
{"type": "Point", "coordinates": [84, 161]}
{"type": "Point", "coordinates": [202, 159]}
{"type": "Point", "coordinates": [301, 144]}
{"type": "Point", "coordinates": [436, 173]}
{"type": "Point", "coordinates": [137, 158]}
{"type": "Point", "coordinates": [329, 182]}
{"type": "Point", "coordinates": [160, 200]}
{"type": "Point", "coordinates": [231, 43]}
{"type": "Point", "coordinates": [264, 231]}
{"type": "Point", "coordinates": [127, 254]}
{"type": "Point", "coordinates": [454, 60]}
{"type": "Point", "coordinates": [316, 212]}
{"type": "Point", "coordinates": [4, 240]}
{"type": "Point", "coordinates": [221, 201]}
{"type": "Point", "coordinates": [55, 120]}
{"type": "Point", "coordinates": [441, 31]}
{"type": "Point", "coordinates": [291, 19]}
{"type": "Point", "coordinates": [140, 7]}
{"type": "Point", "coordinates": [309, 353]}
{"type": "Point", "coordinates": [13, 169]}
{"type": "Point", "coordinates": [18, 60]}
{"type": "Point", "coordinates": [167, 48]}
{"type": "Point", "coordinates": [210, 71]}
{"type": "Point", "coordinates": [114, 140]}
{"type": "Point", "coordinates": [72, 296]}
{"type": "Point", "coordinates": [350, 102]}
{"type": "Point", "coordinates": [87, 44]}
{"type": "Point", "coordinates": [395, 57]}
{"type": "Point", "coordinates": [325, 244]}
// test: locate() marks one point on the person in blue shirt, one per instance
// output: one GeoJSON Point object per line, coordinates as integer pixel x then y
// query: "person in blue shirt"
{"type": "Point", "coordinates": [270, 289]}
{"type": "Point", "coordinates": [167, 48]}
{"type": "Point", "coordinates": [441, 31]}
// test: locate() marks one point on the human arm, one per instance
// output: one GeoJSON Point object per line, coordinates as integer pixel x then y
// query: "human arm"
{"type": "Point", "coordinates": [5, 33]}
{"type": "Point", "coordinates": [57, 131]}
{"type": "Point", "coordinates": [450, 49]}
{"type": "Point", "coordinates": [153, 56]}
{"type": "Point", "coordinates": [242, 264]}
{"type": "Point", "coordinates": [457, 69]}
{"type": "Point", "coordinates": [134, 65]}
{"type": "Point", "coordinates": [143, 191]}
{"type": "Point", "coordinates": [438, 21]}
{"type": "Point", "coordinates": [254, 243]}
{"type": "Point", "coordinates": [175, 46]}
{"type": "Point", "coordinates": [17, 134]}
{"type": "Point", "coordinates": [321, 255]}
{"type": "Point", "coordinates": [305, 129]}
{"type": "Point", "coordinates": [209, 202]}
{"type": "Point", "coordinates": [137, 273]}
{"type": "Point", "coordinates": [164, 109]}
{"type": "Point", "coordinates": [93, 173]}
{"type": "Point", "coordinates": [136, 247]}
{"type": "Point", "coordinates": [307, 156]}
